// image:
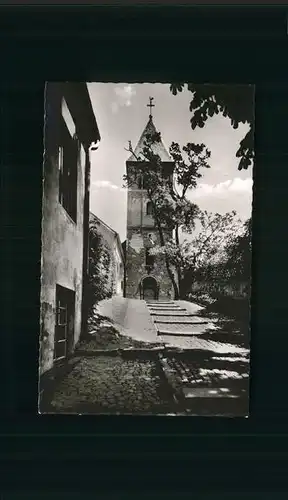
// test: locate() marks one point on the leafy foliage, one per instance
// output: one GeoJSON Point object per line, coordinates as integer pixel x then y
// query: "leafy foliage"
{"type": "Point", "coordinates": [217, 231]}
{"type": "Point", "coordinates": [239, 254]}
{"type": "Point", "coordinates": [234, 266]}
{"type": "Point", "coordinates": [99, 286]}
{"type": "Point", "coordinates": [234, 101]}
{"type": "Point", "coordinates": [196, 257]}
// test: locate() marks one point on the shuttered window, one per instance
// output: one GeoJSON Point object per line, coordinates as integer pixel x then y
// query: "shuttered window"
{"type": "Point", "coordinates": [67, 161]}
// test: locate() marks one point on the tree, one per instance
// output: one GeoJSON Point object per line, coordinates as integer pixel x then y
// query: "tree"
{"type": "Point", "coordinates": [234, 265]}
{"type": "Point", "coordinates": [197, 256]}
{"type": "Point", "coordinates": [99, 287]}
{"type": "Point", "coordinates": [234, 101]}
{"type": "Point", "coordinates": [239, 253]}
{"type": "Point", "coordinates": [167, 190]}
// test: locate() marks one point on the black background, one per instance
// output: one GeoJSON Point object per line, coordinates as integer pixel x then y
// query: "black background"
{"type": "Point", "coordinates": [141, 456]}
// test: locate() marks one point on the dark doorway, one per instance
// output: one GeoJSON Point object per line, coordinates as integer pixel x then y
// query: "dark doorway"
{"type": "Point", "coordinates": [64, 328]}
{"type": "Point", "coordinates": [150, 288]}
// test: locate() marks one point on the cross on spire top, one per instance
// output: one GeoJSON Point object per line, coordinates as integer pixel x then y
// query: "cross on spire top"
{"type": "Point", "coordinates": [150, 105]}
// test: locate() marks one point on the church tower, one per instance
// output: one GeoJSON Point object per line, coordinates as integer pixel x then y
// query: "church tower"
{"type": "Point", "coordinates": [146, 275]}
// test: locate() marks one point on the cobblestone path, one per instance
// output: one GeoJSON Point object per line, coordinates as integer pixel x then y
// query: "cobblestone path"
{"type": "Point", "coordinates": [192, 363]}
{"type": "Point", "coordinates": [113, 385]}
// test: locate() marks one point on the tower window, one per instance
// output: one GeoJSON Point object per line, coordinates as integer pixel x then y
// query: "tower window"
{"type": "Point", "coordinates": [149, 208]}
{"type": "Point", "coordinates": [141, 182]}
{"type": "Point", "coordinates": [144, 184]}
{"type": "Point", "coordinates": [149, 260]}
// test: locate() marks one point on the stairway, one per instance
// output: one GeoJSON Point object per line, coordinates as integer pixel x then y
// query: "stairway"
{"type": "Point", "coordinates": [171, 319]}
{"type": "Point", "coordinates": [204, 383]}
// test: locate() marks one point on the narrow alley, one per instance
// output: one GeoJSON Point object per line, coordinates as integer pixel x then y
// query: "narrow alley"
{"type": "Point", "coordinates": [121, 238]}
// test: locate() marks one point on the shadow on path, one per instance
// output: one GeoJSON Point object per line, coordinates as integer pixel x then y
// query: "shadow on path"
{"type": "Point", "coordinates": [233, 322]}
{"type": "Point", "coordinates": [142, 378]}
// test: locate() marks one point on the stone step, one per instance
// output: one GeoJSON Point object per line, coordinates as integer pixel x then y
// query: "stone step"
{"type": "Point", "coordinates": [160, 308]}
{"type": "Point", "coordinates": [210, 404]}
{"type": "Point", "coordinates": [173, 313]}
{"type": "Point", "coordinates": [209, 392]}
{"type": "Point", "coordinates": [160, 303]}
{"type": "Point", "coordinates": [177, 319]}
{"type": "Point", "coordinates": [168, 308]}
{"type": "Point", "coordinates": [182, 329]}
{"type": "Point", "coordinates": [167, 333]}
{"type": "Point", "coordinates": [163, 305]}
{"type": "Point", "coordinates": [162, 322]}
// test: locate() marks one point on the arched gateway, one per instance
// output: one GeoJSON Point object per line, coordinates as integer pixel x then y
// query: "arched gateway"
{"type": "Point", "coordinates": [149, 288]}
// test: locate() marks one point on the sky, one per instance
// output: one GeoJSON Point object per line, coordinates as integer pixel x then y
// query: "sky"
{"type": "Point", "coordinates": [121, 112]}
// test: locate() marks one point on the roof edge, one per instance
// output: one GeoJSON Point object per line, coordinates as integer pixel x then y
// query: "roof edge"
{"type": "Point", "coordinates": [79, 102]}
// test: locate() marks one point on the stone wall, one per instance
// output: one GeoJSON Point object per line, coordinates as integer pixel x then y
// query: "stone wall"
{"type": "Point", "coordinates": [137, 242]}
{"type": "Point", "coordinates": [119, 271]}
{"type": "Point", "coordinates": [62, 240]}
{"type": "Point", "coordinates": [222, 288]}
{"type": "Point", "coordinates": [137, 209]}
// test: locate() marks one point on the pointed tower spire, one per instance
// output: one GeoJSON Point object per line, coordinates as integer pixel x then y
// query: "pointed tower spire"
{"type": "Point", "coordinates": [158, 147]}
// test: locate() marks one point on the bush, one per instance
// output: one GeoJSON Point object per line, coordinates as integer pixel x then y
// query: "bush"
{"type": "Point", "coordinates": [99, 286]}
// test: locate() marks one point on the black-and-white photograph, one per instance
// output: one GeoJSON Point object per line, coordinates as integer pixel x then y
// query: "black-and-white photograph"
{"type": "Point", "coordinates": [146, 249]}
